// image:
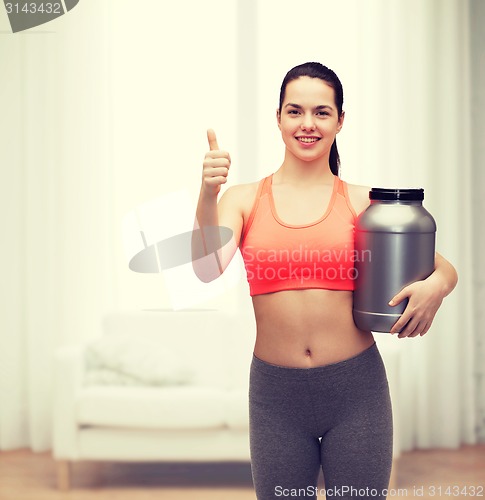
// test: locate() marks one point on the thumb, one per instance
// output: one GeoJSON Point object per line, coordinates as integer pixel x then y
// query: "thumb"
{"type": "Point", "coordinates": [211, 137]}
{"type": "Point", "coordinates": [399, 297]}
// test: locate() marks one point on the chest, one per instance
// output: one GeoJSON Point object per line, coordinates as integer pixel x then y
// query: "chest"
{"type": "Point", "coordinates": [297, 207]}
{"type": "Point", "coordinates": [268, 232]}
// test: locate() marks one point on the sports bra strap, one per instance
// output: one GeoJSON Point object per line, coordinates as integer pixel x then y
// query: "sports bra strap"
{"type": "Point", "coordinates": [262, 189]}
{"type": "Point", "coordinates": [344, 190]}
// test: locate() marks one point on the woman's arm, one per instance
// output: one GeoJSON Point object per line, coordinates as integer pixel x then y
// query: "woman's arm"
{"type": "Point", "coordinates": [425, 298]}
{"type": "Point", "coordinates": [218, 225]}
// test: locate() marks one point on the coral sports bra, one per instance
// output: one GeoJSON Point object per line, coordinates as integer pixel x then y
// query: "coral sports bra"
{"type": "Point", "coordinates": [280, 256]}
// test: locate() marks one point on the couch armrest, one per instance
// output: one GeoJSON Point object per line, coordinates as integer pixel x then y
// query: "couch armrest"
{"type": "Point", "coordinates": [68, 379]}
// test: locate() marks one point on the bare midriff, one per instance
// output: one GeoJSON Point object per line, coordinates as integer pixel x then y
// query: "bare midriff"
{"type": "Point", "coordinates": [307, 328]}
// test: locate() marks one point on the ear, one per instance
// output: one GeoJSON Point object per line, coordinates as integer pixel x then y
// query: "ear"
{"type": "Point", "coordinates": [278, 118]}
{"type": "Point", "coordinates": [340, 122]}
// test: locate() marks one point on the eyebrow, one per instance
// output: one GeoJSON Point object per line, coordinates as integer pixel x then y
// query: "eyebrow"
{"type": "Point", "coordinates": [322, 106]}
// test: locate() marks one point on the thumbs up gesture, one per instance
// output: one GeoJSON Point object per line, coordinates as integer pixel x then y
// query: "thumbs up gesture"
{"type": "Point", "coordinates": [216, 166]}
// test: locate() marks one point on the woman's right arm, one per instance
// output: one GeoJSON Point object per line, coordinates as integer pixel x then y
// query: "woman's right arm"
{"type": "Point", "coordinates": [218, 226]}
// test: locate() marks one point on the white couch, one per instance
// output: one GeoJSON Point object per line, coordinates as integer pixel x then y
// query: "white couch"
{"type": "Point", "coordinates": [203, 419]}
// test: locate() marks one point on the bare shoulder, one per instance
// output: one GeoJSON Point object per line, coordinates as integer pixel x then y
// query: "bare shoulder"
{"type": "Point", "coordinates": [359, 197]}
{"type": "Point", "coordinates": [234, 207]}
{"type": "Point", "coordinates": [242, 190]}
{"type": "Point", "coordinates": [241, 195]}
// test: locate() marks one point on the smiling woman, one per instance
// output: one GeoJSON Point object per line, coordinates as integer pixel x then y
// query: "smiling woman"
{"type": "Point", "coordinates": [316, 379]}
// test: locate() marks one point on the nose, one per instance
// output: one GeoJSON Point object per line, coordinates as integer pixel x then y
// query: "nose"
{"type": "Point", "coordinates": [308, 122]}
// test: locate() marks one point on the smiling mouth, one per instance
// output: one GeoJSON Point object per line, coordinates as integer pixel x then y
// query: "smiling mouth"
{"type": "Point", "coordinates": [307, 140]}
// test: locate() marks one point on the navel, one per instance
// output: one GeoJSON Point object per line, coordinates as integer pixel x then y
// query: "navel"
{"type": "Point", "coordinates": [308, 353]}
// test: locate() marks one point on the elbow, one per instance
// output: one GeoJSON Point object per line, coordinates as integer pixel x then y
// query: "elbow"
{"type": "Point", "coordinates": [204, 277]}
{"type": "Point", "coordinates": [447, 272]}
{"type": "Point", "coordinates": [207, 269]}
{"type": "Point", "coordinates": [451, 282]}
{"type": "Point", "coordinates": [455, 276]}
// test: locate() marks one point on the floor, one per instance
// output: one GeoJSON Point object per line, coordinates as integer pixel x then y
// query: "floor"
{"type": "Point", "coordinates": [32, 476]}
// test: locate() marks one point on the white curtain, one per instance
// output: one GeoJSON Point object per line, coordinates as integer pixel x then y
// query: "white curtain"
{"type": "Point", "coordinates": [57, 218]}
{"type": "Point", "coordinates": [106, 108]}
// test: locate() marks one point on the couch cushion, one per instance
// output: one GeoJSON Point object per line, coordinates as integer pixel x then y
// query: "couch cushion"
{"type": "Point", "coordinates": [134, 360]}
{"type": "Point", "coordinates": [172, 407]}
{"type": "Point", "coordinates": [202, 339]}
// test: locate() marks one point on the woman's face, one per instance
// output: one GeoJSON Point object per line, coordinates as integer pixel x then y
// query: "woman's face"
{"type": "Point", "coordinates": [309, 118]}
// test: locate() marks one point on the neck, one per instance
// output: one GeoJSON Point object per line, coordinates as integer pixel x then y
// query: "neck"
{"type": "Point", "coordinates": [300, 172]}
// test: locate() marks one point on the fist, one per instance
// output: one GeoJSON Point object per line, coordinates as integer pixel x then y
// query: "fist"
{"type": "Point", "coordinates": [216, 166]}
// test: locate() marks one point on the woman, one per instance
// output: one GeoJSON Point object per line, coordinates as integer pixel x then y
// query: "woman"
{"type": "Point", "coordinates": [318, 389]}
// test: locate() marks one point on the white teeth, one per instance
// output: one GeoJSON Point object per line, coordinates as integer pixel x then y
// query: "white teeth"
{"type": "Point", "coordinates": [308, 139]}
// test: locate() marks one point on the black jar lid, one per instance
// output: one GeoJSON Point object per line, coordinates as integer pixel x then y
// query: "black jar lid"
{"type": "Point", "coordinates": [396, 194]}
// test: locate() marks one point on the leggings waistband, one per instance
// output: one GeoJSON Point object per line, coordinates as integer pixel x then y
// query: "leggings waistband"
{"type": "Point", "coordinates": [363, 358]}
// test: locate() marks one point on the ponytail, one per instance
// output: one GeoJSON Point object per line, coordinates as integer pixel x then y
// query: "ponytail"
{"type": "Point", "coordinates": [334, 159]}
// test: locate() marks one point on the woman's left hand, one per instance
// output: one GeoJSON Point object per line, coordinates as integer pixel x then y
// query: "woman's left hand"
{"type": "Point", "coordinates": [425, 298]}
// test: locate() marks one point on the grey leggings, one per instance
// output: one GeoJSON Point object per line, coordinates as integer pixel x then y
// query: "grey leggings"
{"type": "Point", "coordinates": [336, 416]}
